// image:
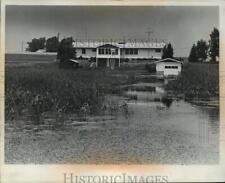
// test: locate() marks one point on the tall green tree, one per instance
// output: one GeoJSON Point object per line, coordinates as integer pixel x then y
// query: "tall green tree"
{"type": "Point", "coordinates": [52, 44]}
{"type": "Point", "coordinates": [167, 51]}
{"type": "Point", "coordinates": [193, 54]}
{"type": "Point", "coordinates": [202, 49]}
{"type": "Point", "coordinates": [214, 44]}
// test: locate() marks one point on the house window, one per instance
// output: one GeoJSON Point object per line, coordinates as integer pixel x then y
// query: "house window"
{"type": "Point", "coordinates": [101, 51]}
{"type": "Point", "coordinates": [107, 51]}
{"type": "Point", "coordinates": [171, 67]}
{"type": "Point", "coordinates": [135, 51]}
{"type": "Point", "coordinates": [158, 50]}
{"type": "Point", "coordinates": [94, 49]}
{"type": "Point", "coordinates": [83, 51]}
{"type": "Point", "coordinates": [114, 51]}
{"type": "Point", "coordinates": [131, 51]}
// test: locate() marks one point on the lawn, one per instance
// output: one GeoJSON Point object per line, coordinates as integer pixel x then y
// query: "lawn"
{"type": "Point", "coordinates": [197, 81]}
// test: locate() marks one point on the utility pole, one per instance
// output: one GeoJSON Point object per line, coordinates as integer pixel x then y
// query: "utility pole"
{"type": "Point", "coordinates": [85, 32]}
{"type": "Point", "coordinates": [58, 36]}
{"type": "Point", "coordinates": [148, 32]}
{"type": "Point", "coordinates": [124, 42]}
{"type": "Point", "coordinates": [22, 46]}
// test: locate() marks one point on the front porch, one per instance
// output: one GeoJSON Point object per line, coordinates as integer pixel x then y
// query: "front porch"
{"type": "Point", "coordinates": [107, 62]}
{"type": "Point", "coordinates": [108, 56]}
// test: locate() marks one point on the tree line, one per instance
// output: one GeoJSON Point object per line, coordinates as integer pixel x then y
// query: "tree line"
{"type": "Point", "coordinates": [200, 51]}
{"type": "Point", "coordinates": [203, 50]}
{"type": "Point", "coordinates": [50, 45]}
{"type": "Point", "coordinates": [64, 48]}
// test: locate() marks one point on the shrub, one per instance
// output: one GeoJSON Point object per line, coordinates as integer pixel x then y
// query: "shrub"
{"type": "Point", "coordinates": [66, 50]}
{"type": "Point", "coordinates": [197, 81]}
{"type": "Point", "coordinates": [151, 68]}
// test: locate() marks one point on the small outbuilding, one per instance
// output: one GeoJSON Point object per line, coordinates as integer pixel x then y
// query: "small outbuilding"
{"type": "Point", "coordinates": [168, 67]}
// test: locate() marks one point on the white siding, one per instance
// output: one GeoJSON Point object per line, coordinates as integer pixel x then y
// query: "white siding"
{"type": "Point", "coordinates": [160, 67]}
{"type": "Point", "coordinates": [143, 53]}
{"type": "Point", "coordinates": [89, 53]}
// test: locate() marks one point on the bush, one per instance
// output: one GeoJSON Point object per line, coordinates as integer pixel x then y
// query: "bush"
{"type": "Point", "coordinates": [151, 68]}
{"type": "Point", "coordinates": [66, 50]}
{"type": "Point", "coordinates": [197, 81]}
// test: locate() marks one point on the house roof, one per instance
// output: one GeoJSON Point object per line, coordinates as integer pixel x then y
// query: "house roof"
{"type": "Point", "coordinates": [108, 46]}
{"type": "Point", "coordinates": [167, 60]}
{"type": "Point", "coordinates": [134, 44]}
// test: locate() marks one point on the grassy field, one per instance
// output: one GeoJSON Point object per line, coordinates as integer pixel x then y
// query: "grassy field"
{"type": "Point", "coordinates": [29, 57]}
{"type": "Point", "coordinates": [197, 81]}
{"type": "Point", "coordinates": [32, 90]}
{"type": "Point", "coordinates": [36, 89]}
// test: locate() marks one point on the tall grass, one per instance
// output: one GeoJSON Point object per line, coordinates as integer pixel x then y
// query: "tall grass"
{"type": "Point", "coordinates": [34, 90]}
{"type": "Point", "coordinates": [197, 81]}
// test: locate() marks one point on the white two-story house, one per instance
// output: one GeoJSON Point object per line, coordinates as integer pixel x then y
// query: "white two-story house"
{"type": "Point", "coordinates": [110, 54]}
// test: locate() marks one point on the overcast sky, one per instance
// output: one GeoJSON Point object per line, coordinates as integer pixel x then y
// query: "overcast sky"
{"type": "Point", "coordinates": [182, 26]}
